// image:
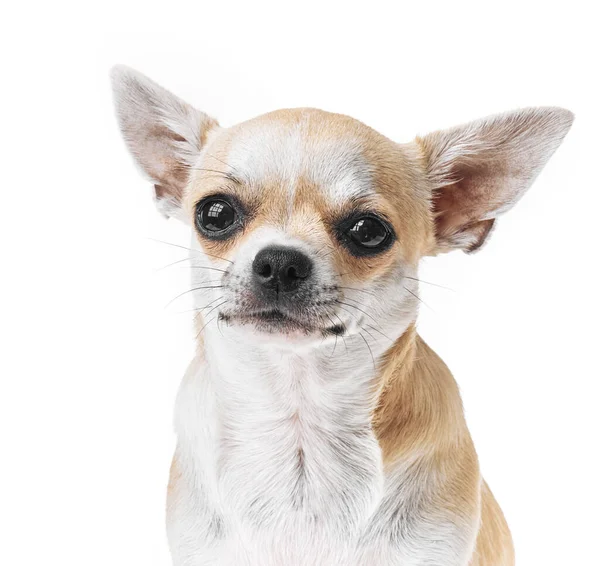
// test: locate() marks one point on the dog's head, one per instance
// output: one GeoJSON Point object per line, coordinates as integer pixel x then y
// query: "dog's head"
{"type": "Point", "coordinates": [311, 224]}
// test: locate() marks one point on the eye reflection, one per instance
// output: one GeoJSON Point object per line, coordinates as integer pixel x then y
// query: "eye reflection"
{"type": "Point", "coordinates": [369, 232]}
{"type": "Point", "coordinates": [215, 215]}
{"type": "Point", "coordinates": [215, 209]}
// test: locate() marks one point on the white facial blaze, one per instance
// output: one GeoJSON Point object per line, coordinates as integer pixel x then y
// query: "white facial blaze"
{"type": "Point", "coordinates": [277, 150]}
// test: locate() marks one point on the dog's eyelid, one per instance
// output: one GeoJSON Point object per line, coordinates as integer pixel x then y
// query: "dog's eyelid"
{"type": "Point", "coordinates": [370, 204]}
{"type": "Point", "coordinates": [356, 213]}
{"type": "Point", "coordinates": [226, 194]}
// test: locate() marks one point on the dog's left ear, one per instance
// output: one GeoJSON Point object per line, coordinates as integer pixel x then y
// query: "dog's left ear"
{"type": "Point", "coordinates": [480, 170]}
{"type": "Point", "coordinates": [163, 133]}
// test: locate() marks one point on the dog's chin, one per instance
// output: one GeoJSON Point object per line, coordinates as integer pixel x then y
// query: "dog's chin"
{"type": "Point", "coordinates": [278, 324]}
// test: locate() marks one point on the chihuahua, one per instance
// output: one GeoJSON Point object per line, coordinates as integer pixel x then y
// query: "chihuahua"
{"type": "Point", "coordinates": [314, 426]}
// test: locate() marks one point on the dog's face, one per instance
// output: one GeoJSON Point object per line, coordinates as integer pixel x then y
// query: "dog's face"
{"type": "Point", "coordinates": [311, 225]}
{"type": "Point", "coordinates": [316, 224]}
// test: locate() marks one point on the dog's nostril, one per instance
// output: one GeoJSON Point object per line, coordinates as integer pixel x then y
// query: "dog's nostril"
{"type": "Point", "coordinates": [264, 270]}
{"type": "Point", "coordinates": [297, 272]}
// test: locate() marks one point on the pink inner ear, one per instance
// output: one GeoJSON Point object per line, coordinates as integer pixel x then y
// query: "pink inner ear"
{"type": "Point", "coordinates": [481, 169]}
{"type": "Point", "coordinates": [464, 209]}
{"type": "Point", "coordinates": [160, 192]}
{"type": "Point", "coordinates": [447, 207]}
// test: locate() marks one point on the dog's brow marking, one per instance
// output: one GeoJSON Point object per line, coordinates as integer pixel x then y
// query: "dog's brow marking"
{"type": "Point", "coordinates": [286, 153]}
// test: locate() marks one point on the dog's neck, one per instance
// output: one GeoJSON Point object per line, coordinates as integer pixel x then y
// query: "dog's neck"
{"type": "Point", "coordinates": [397, 388]}
{"type": "Point", "coordinates": [419, 408]}
{"type": "Point", "coordinates": [349, 366]}
{"type": "Point", "coordinates": [335, 381]}
{"type": "Point", "coordinates": [401, 387]}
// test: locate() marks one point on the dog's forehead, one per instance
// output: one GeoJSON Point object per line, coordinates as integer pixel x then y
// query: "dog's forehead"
{"type": "Point", "coordinates": [326, 150]}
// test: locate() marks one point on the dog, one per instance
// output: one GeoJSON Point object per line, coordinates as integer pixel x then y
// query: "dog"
{"type": "Point", "coordinates": [314, 426]}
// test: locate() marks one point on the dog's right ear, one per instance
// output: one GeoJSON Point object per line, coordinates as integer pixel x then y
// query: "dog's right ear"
{"type": "Point", "coordinates": [163, 133]}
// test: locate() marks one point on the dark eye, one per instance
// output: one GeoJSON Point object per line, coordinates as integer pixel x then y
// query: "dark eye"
{"type": "Point", "coordinates": [214, 216]}
{"type": "Point", "coordinates": [369, 232]}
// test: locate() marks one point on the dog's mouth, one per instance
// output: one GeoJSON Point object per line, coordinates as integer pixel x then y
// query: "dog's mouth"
{"type": "Point", "coordinates": [277, 321]}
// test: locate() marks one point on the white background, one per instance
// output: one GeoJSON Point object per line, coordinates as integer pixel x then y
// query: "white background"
{"type": "Point", "coordinates": [91, 359]}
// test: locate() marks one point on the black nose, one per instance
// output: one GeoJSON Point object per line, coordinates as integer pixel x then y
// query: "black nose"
{"type": "Point", "coordinates": [281, 269]}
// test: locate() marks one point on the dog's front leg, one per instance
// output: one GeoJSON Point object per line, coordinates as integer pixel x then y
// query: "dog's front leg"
{"type": "Point", "coordinates": [194, 529]}
{"type": "Point", "coordinates": [429, 516]}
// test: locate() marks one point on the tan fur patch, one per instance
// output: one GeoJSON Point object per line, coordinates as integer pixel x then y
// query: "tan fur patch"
{"type": "Point", "coordinates": [420, 412]}
{"type": "Point", "coordinates": [494, 543]}
{"type": "Point", "coordinates": [419, 405]}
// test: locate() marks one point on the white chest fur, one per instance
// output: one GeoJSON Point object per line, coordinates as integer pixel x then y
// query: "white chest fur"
{"type": "Point", "coordinates": [278, 463]}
